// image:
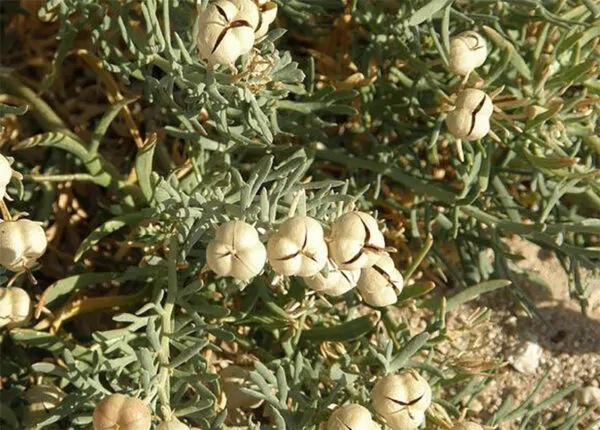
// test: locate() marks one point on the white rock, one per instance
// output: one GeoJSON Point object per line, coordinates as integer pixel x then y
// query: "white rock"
{"type": "Point", "coordinates": [475, 406]}
{"type": "Point", "coordinates": [589, 396]}
{"type": "Point", "coordinates": [526, 357]}
{"type": "Point", "coordinates": [511, 321]}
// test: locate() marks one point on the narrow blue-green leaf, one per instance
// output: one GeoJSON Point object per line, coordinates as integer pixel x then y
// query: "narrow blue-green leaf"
{"type": "Point", "coordinates": [515, 58]}
{"type": "Point", "coordinates": [64, 287]}
{"type": "Point", "coordinates": [427, 11]}
{"type": "Point", "coordinates": [469, 294]}
{"type": "Point", "coordinates": [107, 119]}
{"type": "Point", "coordinates": [346, 331]}
{"type": "Point", "coordinates": [50, 369]}
{"type": "Point", "coordinates": [410, 348]}
{"type": "Point", "coordinates": [54, 140]}
{"type": "Point", "coordinates": [185, 355]}
{"type": "Point", "coordinates": [107, 228]}
{"type": "Point", "coordinates": [143, 167]}
{"type": "Point", "coordinates": [12, 110]}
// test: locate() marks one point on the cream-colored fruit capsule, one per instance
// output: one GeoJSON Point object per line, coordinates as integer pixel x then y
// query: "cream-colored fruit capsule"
{"type": "Point", "coordinates": [467, 425]}
{"type": "Point", "coordinates": [236, 251]}
{"type": "Point", "coordinates": [225, 32]}
{"type": "Point", "coordinates": [41, 399]}
{"type": "Point", "coordinates": [468, 51]}
{"type": "Point", "coordinates": [15, 307]}
{"type": "Point", "coordinates": [248, 9]}
{"type": "Point", "coordinates": [298, 247]}
{"type": "Point", "coordinates": [356, 242]}
{"type": "Point", "coordinates": [351, 417]}
{"type": "Point", "coordinates": [268, 13]}
{"type": "Point", "coordinates": [332, 280]}
{"type": "Point", "coordinates": [6, 173]}
{"type": "Point", "coordinates": [233, 378]}
{"type": "Point", "coordinates": [22, 243]}
{"type": "Point", "coordinates": [174, 424]}
{"type": "Point", "coordinates": [380, 284]}
{"type": "Point", "coordinates": [118, 411]}
{"type": "Point", "coordinates": [470, 119]}
{"type": "Point", "coordinates": [402, 399]}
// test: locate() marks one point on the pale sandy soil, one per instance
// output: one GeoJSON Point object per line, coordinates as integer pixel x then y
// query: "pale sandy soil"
{"type": "Point", "coordinates": [570, 340]}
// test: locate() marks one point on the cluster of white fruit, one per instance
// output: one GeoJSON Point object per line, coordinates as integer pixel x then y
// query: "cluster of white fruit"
{"type": "Point", "coordinates": [229, 28]}
{"type": "Point", "coordinates": [400, 400]}
{"type": "Point", "coordinates": [470, 117]}
{"type": "Point", "coordinates": [352, 255]}
{"type": "Point", "coordinates": [116, 411]}
{"type": "Point", "coordinates": [122, 412]}
{"type": "Point", "coordinates": [22, 243]}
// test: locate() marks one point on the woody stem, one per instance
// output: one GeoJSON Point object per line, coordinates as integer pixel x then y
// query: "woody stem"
{"type": "Point", "coordinates": [167, 328]}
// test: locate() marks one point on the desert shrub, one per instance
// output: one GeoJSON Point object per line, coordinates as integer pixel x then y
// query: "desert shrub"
{"type": "Point", "coordinates": [134, 150]}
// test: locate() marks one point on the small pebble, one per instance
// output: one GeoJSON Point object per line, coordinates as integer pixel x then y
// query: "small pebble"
{"type": "Point", "coordinates": [526, 357]}
{"type": "Point", "coordinates": [511, 321]}
{"type": "Point", "coordinates": [589, 396]}
{"type": "Point", "coordinates": [475, 406]}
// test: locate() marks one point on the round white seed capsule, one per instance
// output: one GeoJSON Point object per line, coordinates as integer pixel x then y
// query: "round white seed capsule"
{"type": "Point", "coordinates": [174, 424]}
{"type": "Point", "coordinates": [298, 247]}
{"type": "Point", "coordinates": [351, 417]}
{"type": "Point", "coordinates": [380, 284]}
{"type": "Point", "coordinates": [22, 243]}
{"type": "Point", "coordinates": [356, 242]}
{"type": "Point", "coordinates": [15, 307]}
{"type": "Point", "coordinates": [226, 32]}
{"type": "Point", "coordinates": [475, 100]}
{"type": "Point", "coordinates": [332, 280]}
{"type": "Point", "coordinates": [118, 411]}
{"type": "Point", "coordinates": [402, 399]}
{"type": "Point", "coordinates": [470, 119]}
{"type": "Point", "coordinates": [467, 425]}
{"type": "Point", "coordinates": [5, 175]}
{"type": "Point", "coordinates": [41, 399]}
{"type": "Point", "coordinates": [236, 251]}
{"type": "Point", "coordinates": [233, 378]}
{"type": "Point", "coordinates": [468, 51]}
{"type": "Point", "coordinates": [249, 9]}
{"type": "Point", "coordinates": [268, 13]}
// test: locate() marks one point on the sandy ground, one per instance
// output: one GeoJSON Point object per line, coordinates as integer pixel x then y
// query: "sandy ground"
{"type": "Point", "coordinates": [570, 341]}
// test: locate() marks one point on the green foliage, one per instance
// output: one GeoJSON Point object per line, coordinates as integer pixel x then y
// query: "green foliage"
{"type": "Point", "coordinates": [270, 138]}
